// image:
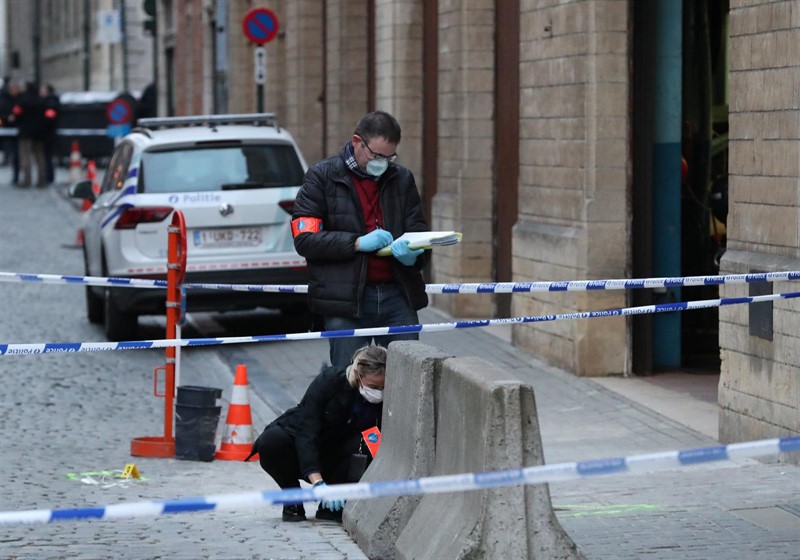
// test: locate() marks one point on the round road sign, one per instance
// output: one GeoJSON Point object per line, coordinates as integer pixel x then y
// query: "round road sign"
{"type": "Point", "coordinates": [260, 25]}
{"type": "Point", "coordinates": [119, 111]}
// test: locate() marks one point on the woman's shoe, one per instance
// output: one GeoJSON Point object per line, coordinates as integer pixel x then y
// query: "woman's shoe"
{"type": "Point", "coordinates": [328, 515]}
{"type": "Point", "coordinates": [294, 512]}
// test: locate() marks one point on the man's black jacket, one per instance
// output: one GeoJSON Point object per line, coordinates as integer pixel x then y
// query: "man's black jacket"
{"type": "Point", "coordinates": [337, 272]}
{"type": "Point", "coordinates": [330, 413]}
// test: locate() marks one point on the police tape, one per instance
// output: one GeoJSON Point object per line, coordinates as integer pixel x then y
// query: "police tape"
{"type": "Point", "coordinates": [63, 132]}
{"type": "Point", "coordinates": [427, 485]}
{"type": "Point", "coordinates": [466, 288]}
{"type": "Point", "coordinates": [69, 347]}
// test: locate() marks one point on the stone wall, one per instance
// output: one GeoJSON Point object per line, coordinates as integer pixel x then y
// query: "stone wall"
{"type": "Point", "coordinates": [398, 74]}
{"type": "Point", "coordinates": [346, 76]}
{"type": "Point", "coordinates": [304, 80]}
{"type": "Point", "coordinates": [573, 215]}
{"type": "Point", "coordinates": [759, 391]}
{"type": "Point", "coordinates": [463, 200]}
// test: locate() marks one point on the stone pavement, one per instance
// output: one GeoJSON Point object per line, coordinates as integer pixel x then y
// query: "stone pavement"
{"type": "Point", "coordinates": [745, 509]}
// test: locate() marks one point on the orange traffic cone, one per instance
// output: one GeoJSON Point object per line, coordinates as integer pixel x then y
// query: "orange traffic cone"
{"type": "Point", "coordinates": [75, 162]}
{"type": "Point", "coordinates": [91, 175]}
{"type": "Point", "coordinates": [238, 437]}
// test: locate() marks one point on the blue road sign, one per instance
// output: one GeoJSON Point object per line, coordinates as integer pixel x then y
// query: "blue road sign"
{"type": "Point", "coordinates": [260, 25]}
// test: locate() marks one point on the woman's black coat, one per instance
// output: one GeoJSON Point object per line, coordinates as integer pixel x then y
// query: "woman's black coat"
{"type": "Point", "coordinates": [324, 420]}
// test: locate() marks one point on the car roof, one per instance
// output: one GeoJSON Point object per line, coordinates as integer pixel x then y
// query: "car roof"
{"type": "Point", "coordinates": [188, 130]}
{"type": "Point", "coordinates": [206, 133]}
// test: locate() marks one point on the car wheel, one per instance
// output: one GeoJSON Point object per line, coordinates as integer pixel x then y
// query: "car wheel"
{"type": "Point", "coordinates": [120, 325]}
{"type": "Point", "coordinates": [94, 303]}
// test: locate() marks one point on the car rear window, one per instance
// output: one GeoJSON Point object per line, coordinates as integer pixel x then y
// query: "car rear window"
{"type": "Point", "coordinates": [215, 168]}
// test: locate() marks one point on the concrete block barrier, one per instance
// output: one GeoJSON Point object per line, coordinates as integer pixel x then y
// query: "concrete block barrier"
{"type": "Point", "coordinates": [408, 451]}
{"type": "Point", "coordinates": [485, 420]}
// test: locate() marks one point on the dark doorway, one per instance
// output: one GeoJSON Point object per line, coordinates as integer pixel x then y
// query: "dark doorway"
{"type": "Point", "coordinates": [704, 151]}
{"type": "Point", "coordinates": [697, 185]}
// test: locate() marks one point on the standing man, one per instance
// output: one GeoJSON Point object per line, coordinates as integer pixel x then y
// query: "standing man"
{"type": "Point", "coordinates": [32, 131]}
{"type": "Point", "coordinates": [9, 98]}
{"type": "Point", "coordinates": [52, 110]}
{"type": "Point", "coordinates": [351, 205]}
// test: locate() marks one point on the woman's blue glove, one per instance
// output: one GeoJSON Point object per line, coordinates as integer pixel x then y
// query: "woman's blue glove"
{"type": "Point", "coordinates": [374, 240]}
{"type": "Point", "coordinates": [332, 505]}
{"type": "Point", "coordinates": [403, 253]}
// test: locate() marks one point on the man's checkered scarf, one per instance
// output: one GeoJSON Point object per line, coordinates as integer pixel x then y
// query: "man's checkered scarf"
{"type": "Point", "coordinates": [349, 157]}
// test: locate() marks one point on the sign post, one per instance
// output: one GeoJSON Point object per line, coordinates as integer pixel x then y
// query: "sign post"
{"type": "Point", "coordinates": [260, 25]}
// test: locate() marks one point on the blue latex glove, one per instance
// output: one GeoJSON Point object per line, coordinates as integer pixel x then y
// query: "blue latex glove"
{"type": "Point", "coordinates": [403, 253]}
{"type": "Point", "coordinates": [332, 505]}
{"type": "Point", "coordinates": [374, 240]}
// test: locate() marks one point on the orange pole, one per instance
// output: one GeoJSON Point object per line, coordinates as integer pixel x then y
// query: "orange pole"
{"type": "Point", "coordinates": [176, 271]}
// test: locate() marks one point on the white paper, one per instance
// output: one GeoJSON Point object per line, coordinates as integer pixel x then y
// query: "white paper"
{"type": "Point", "coordinates": [424, 240]}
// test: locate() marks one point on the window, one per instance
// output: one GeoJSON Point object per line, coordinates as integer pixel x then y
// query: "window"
{"type": "Point", "coordinates": [208, 169]}
{"type": "Point", "coordinates": [117, 170]}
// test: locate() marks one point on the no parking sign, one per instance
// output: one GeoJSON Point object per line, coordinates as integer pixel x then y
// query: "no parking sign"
{"type": "Point", "coordinates": [120, 116]}
{"type": "Point", "coordinates": [260, 25]}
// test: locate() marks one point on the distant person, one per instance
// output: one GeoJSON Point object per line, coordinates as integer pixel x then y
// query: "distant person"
{"type": "Point", "coordinates": [9, 98]}
{"type": "Point", "coordinates": [32, 125]}
{"type": "Point", "coordinates": [350, 206]}
{"type": "Point", "coordinates": [316, 440]}
{"type": "Point", "coordinates": [147, 103]}
{"type": "Point", "coordinates": [52, 112]}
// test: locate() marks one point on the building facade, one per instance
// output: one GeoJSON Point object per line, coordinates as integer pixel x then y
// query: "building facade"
{"type": "Point", "coordinates": [62, 43]}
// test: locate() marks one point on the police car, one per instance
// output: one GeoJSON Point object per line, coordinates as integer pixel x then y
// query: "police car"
{"type": "Point", "coordinates": [234, 177]}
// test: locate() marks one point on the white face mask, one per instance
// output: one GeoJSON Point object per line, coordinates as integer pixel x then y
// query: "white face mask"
{"type": "Point", "coordinates": [371, 395]}
{"type": "Point", "coordinates": [376, 167]}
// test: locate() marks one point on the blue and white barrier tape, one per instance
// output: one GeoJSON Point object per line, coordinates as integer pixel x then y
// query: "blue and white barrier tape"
{"type": "Point", "coordinates": [63, 132]}
{"type": "Point", "coordinates": [68, 347]}
{"type": "Point", "coordinates": [426, 485]}
{"type": "Point", "coordinates": [470, 288]}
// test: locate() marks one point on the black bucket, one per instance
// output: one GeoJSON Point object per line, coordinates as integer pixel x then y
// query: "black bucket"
{"type": "Point", "coordinates": [195, 432]}
{"type": "Point", "coordinates": [198, 396]}
{"type": "Point", "coordinates": [196, 420]}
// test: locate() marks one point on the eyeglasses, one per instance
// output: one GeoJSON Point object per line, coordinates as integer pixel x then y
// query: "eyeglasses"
{"type": "Point", "coordinates": [376, 155]}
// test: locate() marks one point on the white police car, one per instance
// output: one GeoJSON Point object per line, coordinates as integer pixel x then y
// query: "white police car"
{"type": "Point", "coordinates": [235, 178]}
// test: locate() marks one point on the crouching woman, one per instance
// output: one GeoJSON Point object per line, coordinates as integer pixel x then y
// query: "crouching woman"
{"type": "Point", "coordinates": [319, 440]}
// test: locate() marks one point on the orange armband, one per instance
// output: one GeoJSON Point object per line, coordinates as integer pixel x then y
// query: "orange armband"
{"type": "Point", "coordinates": [306, 224]}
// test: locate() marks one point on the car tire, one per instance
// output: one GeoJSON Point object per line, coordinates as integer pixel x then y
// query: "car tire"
{"type": "Point", "coordinates": [95, 310]}
{"type": "Point", "coordinates": [120, 325]}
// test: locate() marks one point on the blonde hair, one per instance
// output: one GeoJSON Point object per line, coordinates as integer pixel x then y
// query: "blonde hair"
{"type": "Point", "coordinates": [367, 360]}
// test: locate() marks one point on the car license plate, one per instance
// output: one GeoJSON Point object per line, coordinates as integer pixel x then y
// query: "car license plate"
{"type": "Point", "coordinates": [227, 237]}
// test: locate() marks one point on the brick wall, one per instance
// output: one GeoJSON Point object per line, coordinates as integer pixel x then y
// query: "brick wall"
{"type": "Point", "coordinates": [759, 392]}
{"type": "Point", "coordinates": [304, 80]}
{"type": "Point", "coordinates": [190, 22]}
{"type": "Point", "coordinates": [398, 73]}
{"type": "Point", "coordinates": [463, 200]}
{"type": "Point", "coordinates": [573, 176]}
{"type": "Point", "coordinates": [346, 79]}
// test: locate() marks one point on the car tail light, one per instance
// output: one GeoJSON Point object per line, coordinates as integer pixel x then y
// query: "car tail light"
{"type": "Point", "coordinates": [131, 217]}
{"type": "Point", "coordinates": [287, 205]}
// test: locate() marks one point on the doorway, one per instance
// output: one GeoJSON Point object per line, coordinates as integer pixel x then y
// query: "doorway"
{"type": "Point", "coordinates": [680, 186]}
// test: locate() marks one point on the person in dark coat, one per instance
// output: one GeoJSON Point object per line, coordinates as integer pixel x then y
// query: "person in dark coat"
{"type": "Point", "coordinates": [316, 440]}
{"type": "Point", "coordinates": [351, 205]}
{"type": "Point", "coordinates": [52, 112]}
{"type": "Point", "coordinates": [9, 98]}
{"type": "Point", "coordinates": [32, 126]}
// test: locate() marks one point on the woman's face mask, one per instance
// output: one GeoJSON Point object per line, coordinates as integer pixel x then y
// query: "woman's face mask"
{"type": "Point", "coordinates": [370, 394]}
